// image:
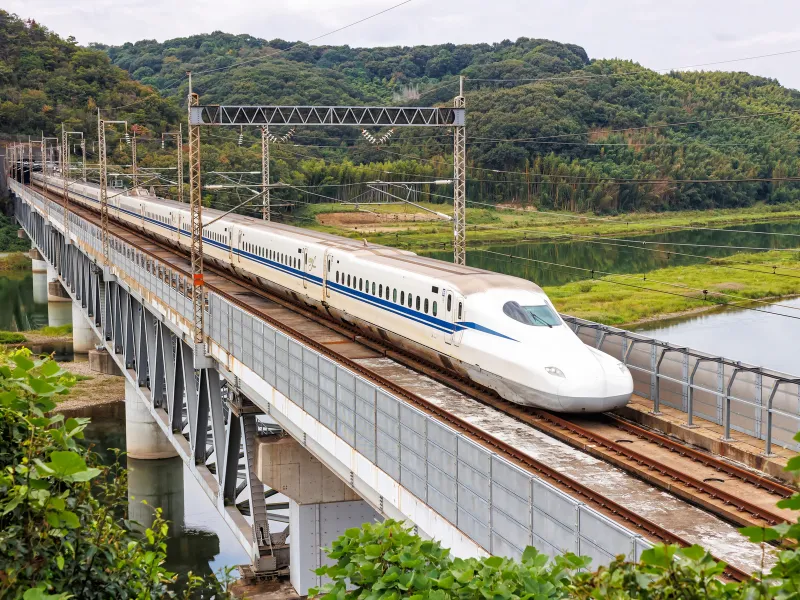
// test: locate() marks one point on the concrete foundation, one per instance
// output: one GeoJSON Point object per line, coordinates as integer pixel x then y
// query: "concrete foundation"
{"type": "Point", "coordinates": [83, 336]}
{"type": "Point", "coordinates": [144, 437]}
{"type": "Point", "coordinates": [22, 234]}
{"type": "Point", "coordinates": [101, 362]}
{"type": "Point", "coordinates": [321, 506]}
{"type": "Point", "coordinates": [315, 526]}
{"type": "Point", "coordinates": [58, 312]}
{"type": "Point", "coordinates": [55, 291]}
{"type": "Point", "coordinates": [287, 467]}
{"type": "Point", "coordinates": [39, 284]}
{"type": "Point", "coordinates": [159, 483]}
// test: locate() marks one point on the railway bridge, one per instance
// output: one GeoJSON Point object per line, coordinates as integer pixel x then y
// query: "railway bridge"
{"type": "Point", "coordinates": [276, 401]}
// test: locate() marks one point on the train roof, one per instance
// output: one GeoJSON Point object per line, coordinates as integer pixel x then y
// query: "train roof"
{"type": "Point", "coordinates": [466, 279]}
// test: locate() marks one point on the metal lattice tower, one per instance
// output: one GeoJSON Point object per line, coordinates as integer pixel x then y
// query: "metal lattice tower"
{"type": "Point", "coordinates": [265, 210]}
{"type": "Point", "coordinates": [181, 196]}
{"type": "Point", "coordinates": [83, 159]}
{"type": "Point", "coordinates": [459, 184]}
{"type": "Point", "coordinates": [134, 167]}
{"type": "Point", "coordinates": [64, 178]}
{"type": "Point", "coordinates": [44, 164]}
{"type": "Point", "coordinates": [101, 144]}
{"type": "Point", "coordinates": [196, 208]}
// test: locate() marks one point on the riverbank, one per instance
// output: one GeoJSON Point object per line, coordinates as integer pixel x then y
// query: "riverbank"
{"type": "Point", "coordinates": [406, 226]}
{"type": "Point", "coordinates": [14, 261]}
{"type": "Point", "coordinates": [92, 390]}
{"type": "Point", "coordinates": [746, 280]}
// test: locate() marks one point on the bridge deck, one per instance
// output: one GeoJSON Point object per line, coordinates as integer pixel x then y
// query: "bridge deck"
{"type": "Point", "coordinates": [686, 522]}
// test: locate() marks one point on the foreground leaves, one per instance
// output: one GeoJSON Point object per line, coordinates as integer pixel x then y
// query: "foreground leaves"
{"type": "Point", "coordinates": [57, 539]}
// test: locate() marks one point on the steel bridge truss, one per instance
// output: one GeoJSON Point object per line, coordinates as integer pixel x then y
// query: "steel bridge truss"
{"type": "Point", "coordinates": [205, 416]}
{"type": "Point", "coordinates": [362, 116]}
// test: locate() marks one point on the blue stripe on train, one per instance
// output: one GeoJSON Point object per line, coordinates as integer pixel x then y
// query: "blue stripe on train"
{"type": "Point", "coordinates": [398, 309]}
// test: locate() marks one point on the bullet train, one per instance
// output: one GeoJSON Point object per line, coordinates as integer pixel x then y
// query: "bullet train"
{"type": "Point", "coordinates": [499, 331]}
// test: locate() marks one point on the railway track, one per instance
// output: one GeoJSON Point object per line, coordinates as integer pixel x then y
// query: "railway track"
{"type": "Point", "coordinates": [588, 439]}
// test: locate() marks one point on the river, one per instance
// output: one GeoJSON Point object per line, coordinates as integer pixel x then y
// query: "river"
{"type": "Point", "coordinates": [202, 542]}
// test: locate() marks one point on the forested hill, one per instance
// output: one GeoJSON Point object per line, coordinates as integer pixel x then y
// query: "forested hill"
{"type": "Point", "coordinates": [576, 160]}
{"type": "Point", "coordinates": [46, 80]}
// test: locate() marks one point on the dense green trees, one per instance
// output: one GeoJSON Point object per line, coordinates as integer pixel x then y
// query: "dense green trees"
{"type": "Point", "coordinates": [46, 80]}
{"type": "Point", "coordinates": [554, 141]}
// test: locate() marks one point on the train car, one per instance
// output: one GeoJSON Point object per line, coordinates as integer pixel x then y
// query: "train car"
{"type": "Point", "coordinates": [499, 331]}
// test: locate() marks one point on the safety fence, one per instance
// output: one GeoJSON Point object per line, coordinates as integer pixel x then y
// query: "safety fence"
{"type": "Point", "coordinates": [741, 397]}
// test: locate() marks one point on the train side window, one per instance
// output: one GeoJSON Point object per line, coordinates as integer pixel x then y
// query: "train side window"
{"type": "Point", "coordinates": [394, 294]}
{"type": "Point", "coordinates": [460, 306]}
{"type": "Point", "coordinates": [380, 290]}
{"type": "Point", "coordinates": [337, 276]}
{"type": "Point", "coordinates": [434, 308]}
{"type": "Point", "coordinates": [373, 288]}
{"type": "Point", "coordinates": [417, 302]}
{"type": "Point", "coordinates": [410, 301]}
{"type": "Point", "coordinates": [426, 306]}
{"type": "Point", "coordinates": [387, 292]}
{"type": "Point", "coordinates": [449, 303]}
{"type": "Point", "coordinates": [348, 280]}
{"type": "Point", "coordinates": [402, 297]}
{"type": "Point", "coordinates": [360, 284]}
{"type": "Point", "coordinates": [366, 287]}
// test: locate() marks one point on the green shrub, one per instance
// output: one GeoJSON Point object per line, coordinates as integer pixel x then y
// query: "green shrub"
{"type": "Point", "coordinates": [57, 538]}
{"type": "Point", "coordinates": [11, 337]}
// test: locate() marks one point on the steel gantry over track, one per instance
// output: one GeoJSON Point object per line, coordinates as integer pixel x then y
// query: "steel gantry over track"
{"type": "Point", "coordinates": [360, 116]}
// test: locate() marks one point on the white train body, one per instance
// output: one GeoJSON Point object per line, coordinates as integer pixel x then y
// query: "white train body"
{"type": "Point", "coordinates": [497, 330]}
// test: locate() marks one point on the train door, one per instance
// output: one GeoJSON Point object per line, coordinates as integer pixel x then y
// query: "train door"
{"type": "Point", "coordinates": [454, 313]}
{"type": "Point", "coordinates": [327, 264]}
{"type": "Point", "coordinates": [141, 212]}
{"type": "Point", "coordinates": [448, 313]}
{"type": "Point", "coordinates": [306, 267]}
{"type": "Point", "coordinates": [229, 231]}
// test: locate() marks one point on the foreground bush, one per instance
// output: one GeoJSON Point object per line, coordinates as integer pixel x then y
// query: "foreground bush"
{"type": "Point", "coordinates": [386, 561]}
{"type": "Point", "coordinates": [62, 534]}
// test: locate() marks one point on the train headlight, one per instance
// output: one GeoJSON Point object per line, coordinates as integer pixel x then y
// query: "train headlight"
{"type": "Point", "coordinates": [555, 371]}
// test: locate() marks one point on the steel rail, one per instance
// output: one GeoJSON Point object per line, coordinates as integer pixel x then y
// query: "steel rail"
{"type": "Point", "coordinates": [595, 499]}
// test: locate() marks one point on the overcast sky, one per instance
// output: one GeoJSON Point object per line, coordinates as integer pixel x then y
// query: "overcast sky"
{"type": "Point", "coordinates": [660, 34]}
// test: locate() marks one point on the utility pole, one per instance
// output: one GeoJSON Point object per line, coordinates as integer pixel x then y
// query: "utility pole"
{"type": "Point", "coordinates": [134, 168]}
{"type": "Point", "coordinates": [30, 160]}
{"type": "Point", "coordinates": [196, 209]}
{"type": "Point", "coordinates": [101, 143]}
{"type": "Point", "coordinates": [180, 163]}
{"type": "Point", "coordinates": [83, 159]}
{"type": "Point", "coordinates": [265, 210]}
{"type": "Point", "coordinates": [64, 178]}
{"type": "Point", "coordinates": [459, 183]}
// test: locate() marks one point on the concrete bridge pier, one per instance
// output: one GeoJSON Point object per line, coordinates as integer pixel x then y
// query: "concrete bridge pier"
{"type": "Point", "coordinates": [59, 309]}
{"type": "Point", "coordinates": [39, 269]}
{"type": "Point", "coordinates": [84, 339]}
{"type": "Point", "coordinates": [156, 484]}
{"type": "Point", "coordinates": [321, 506]}
{"type": "Point", "coordinates": [144, 438]}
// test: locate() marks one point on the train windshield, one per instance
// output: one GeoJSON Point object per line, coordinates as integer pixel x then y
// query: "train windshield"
{"type": "Point", "coordinates": [540, 315]}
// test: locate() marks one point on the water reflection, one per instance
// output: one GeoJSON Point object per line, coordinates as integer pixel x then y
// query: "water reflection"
{"type": "Point", "coordinates": [619, 257]}
{"type": "Point", "coordinates": [749, 336]}
{"type": "Point", "coordinates": [199, 540]}
{"type": "Point", "coordinates": [23, 309]}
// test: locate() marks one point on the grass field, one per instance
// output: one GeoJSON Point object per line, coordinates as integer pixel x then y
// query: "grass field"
{"type": "Point", "coordinates": [742, 279]}
{"type": "Point", "coordinates": [405, 226]}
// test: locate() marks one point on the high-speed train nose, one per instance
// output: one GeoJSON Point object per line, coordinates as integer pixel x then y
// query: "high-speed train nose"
{"type": "Point", "coordinates": [597, 391]}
